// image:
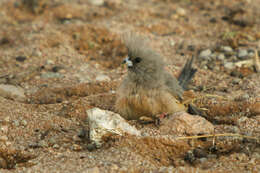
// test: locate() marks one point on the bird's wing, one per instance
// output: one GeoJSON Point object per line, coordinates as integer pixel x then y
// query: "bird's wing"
{"type": "Point", "coordinates": [173, 86]}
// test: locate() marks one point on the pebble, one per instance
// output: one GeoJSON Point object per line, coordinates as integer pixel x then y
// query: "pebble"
{"type": "Point", "coordinates": [56, 146]}
{"type": "Point", "coordinates": [92, 170]}
{"type": "Point", "coordinates": [91, 146]}
{"type": "Point", "coordinates": [43, 143]}
{"type": "Point", "coordinates": [213, 56]}
{"type": "Point", "coordinates": [251, 54]}
{"type": "Point", "coordinates": [16, 123]}
{"type": "Point", "coordinates": [51, 75]}
{"type": "Point", "coordinates": [227, 49]}
{"type": "Point", "coordinates": [236, 81]}
{"type": "Point", "coordinates": [4, 129]}
{"type": "Point", "coordinates": [203, 159]}
{"type": "Point", "coordinates": [212, 156]}
{"type": "Point", "coordinates": [172, 42]}
{"type": "Point", "coordinates": [191, 48]}
{"type": "Point", "coordinates": [3, 138]}
{"type": "Point", "coordinates": [24, 123]}
{"type": "Point", "coordinates": [76, 138]}
{"type": "Point", "coordinates": [96, 2]}
{"type": "Point", "coordinates": [205, 54]}
{"type": "Point", "coordinates": [102, 78]}
{"type": "Point", "coordinates": [20, 58]}
{"type": "Point", "coordinates": [76, 147]}
{"type": "Point", "coordinates": [242, 53]}
{"type": "Point", "coordinates": [245, 96]}
{"type": "Point", "coordinates": [11, 91]}
{"type": "Point", "coordinates": [82, 133]}
{"type": "Point", "coordinates": [49, 62]}
{"type": "Point", "coordinates": [7, 119]}
{"type": "Point", "coordinates": [181, 11]}
{"type": "Point", "coordinates": [55, 69]}
{"type": "Point", "coordinates": [37, 53]}
{"type": "Point", "coordinates": [221, 57]}
{"type": "Point", "coordinates": [52, 141]}
{"type": "Point", "coordinates": [213, 20]}
{"type": "Point", "coordinates": [229, 65]}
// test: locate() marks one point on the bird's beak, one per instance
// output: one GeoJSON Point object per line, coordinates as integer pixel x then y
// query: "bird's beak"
{"type": "Point", "coordinates": [128, 62]}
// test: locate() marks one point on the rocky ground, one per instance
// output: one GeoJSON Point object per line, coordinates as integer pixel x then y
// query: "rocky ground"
{"type": "Point", "coordinates": [61, 58]}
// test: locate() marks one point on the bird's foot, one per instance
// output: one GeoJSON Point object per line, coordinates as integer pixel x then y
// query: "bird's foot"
{"type": "Point", "coordinates": [146, 120]}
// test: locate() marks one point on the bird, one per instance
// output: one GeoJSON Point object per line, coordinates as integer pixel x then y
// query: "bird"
{"type": "Point", "coordinates": [148, 89]}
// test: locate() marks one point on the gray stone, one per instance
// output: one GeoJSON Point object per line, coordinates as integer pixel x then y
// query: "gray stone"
{"type": "Point", "coordinates": [213, 56]}
{"type": "Point", "coordinates": [50, 62]}
{"type": "Point", "coordinates": [221, 57]}
{"type": "Point", "coordinates": [24, 122]}
{"type": "Point", "coordinates": [43, 143]}
{"type": "Point", "coordinates": [203, 159]}
{"type": "Point", "coordinates": [16, 123]}
{"type": "Point", "coordinates": [51, 75]}
{"type": "Point", "coordinates": [245, 96]}
{"type": "Point", "coordinates": [251, 54]}
{"type": "Point", "coordinates": [12, 92]}
{"type": "Point", "coordinates": [56, 146]}
{"type": "Point", "coordinates": [205, 54]}
{"type": "Point", "coordinates": [242, 53]}
{"type": "Point", "coordinates": [229, 65]}
{"type": "Point", "coordinates": [236, 81]}
{"type": "Point", "coordinates": [227, 49]}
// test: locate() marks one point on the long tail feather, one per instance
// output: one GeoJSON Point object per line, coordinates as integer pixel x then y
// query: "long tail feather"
{"type": "Point", "coordinates": [187, 74]}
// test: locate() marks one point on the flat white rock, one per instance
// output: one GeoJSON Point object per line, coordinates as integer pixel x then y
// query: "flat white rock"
{"type": "Point", "coordinates": [103, 122]}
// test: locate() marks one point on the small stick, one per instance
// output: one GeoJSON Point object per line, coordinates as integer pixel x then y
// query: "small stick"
{"type": "Point", "coordinates": [257, 62]}
{"type": "Point", "coordinates": [218, 135]}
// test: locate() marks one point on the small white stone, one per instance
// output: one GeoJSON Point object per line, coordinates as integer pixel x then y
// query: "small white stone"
{"type": "Point", "coordinates": [205, 54]}
{"type": "Point", "coordinates": [172, 43]}
{"type": "Point", "coordinates": [49, 62]}
{"type": "Point", "coordinates": [229, 65]}
{"type": "Point", "coordinates": [4, 129]}
{"type": "Point", "coordinates": [181, 11]}
{"type": "Point", "coordinates": [242, 53]}
{"type": "Point", "coordinates": [221, 57]}
{"type": "Point", "coordinates": [226, 49]}
{"type": "Point", "coordinates": [102, 78]}
{"type": "Point", "coordinates": [96, 2]}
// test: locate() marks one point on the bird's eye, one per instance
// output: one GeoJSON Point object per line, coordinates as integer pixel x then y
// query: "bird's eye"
{"type": "Point", "coordinates": [138, 59]}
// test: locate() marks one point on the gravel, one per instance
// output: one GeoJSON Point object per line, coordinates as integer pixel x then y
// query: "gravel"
{"type": "Point", "coordinates": [226, 49]}
{"type": "Point", "coordinates": [205, 54]}
{"type": "Point", "coordinates": [221, 57]}
{"type": "Point", "coordinates": [242, 54]}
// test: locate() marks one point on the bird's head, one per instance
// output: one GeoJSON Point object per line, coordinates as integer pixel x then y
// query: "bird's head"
{"type": "Point", "coordinates": [141, 58]}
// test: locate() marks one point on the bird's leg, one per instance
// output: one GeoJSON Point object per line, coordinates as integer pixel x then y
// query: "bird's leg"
{"type": "Point", "coordinates": [162, 115]}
